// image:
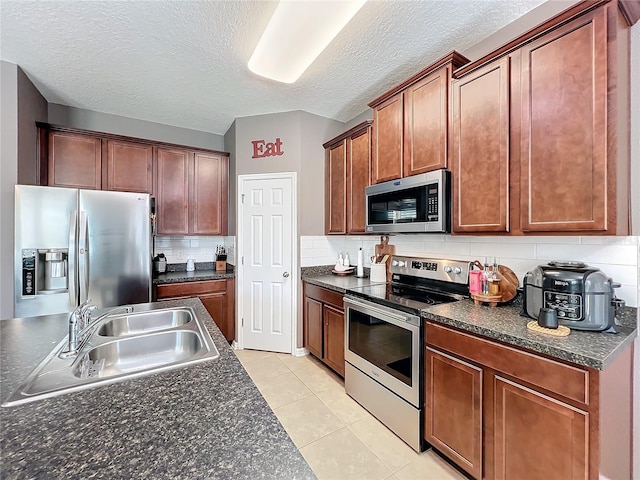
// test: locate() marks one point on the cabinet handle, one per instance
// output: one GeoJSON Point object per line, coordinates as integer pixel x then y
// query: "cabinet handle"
{"type": "Point", "coordinates": [285, 274]}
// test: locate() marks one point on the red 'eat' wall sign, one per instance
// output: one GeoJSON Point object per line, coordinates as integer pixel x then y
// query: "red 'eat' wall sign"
{"type": "Point", "coordinates": [263, 149]}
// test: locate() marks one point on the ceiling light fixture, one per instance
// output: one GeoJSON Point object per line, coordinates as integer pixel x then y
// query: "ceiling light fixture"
{"type": "Point", "coordinates": [297, 33]}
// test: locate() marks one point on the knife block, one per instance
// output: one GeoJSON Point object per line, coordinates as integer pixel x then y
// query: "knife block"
{"type": "Point", "coordinates": [221, 265]}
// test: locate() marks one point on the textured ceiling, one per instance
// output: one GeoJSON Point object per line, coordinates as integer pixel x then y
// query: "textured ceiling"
{"type": "Point", "coordinates": [183, 63]}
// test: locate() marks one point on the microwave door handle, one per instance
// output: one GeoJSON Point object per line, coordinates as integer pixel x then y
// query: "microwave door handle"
{"type": "Point", "coordinates": [83, 257]}
{"type": "Point", "coordinates": [72, 258]}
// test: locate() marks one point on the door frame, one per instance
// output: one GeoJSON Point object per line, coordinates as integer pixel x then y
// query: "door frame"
{"type": "Point", "coordinates": [294, 274]}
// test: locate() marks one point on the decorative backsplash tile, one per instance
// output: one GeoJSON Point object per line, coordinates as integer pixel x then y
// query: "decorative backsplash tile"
{"type": "Point", "coordinates": [178, 249]}
{"type": "Point", "coordinates": [618, 257]}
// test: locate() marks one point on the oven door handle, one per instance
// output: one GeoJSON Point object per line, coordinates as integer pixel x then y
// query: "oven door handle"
{"type": "Point", "coordinates": [403, 317]}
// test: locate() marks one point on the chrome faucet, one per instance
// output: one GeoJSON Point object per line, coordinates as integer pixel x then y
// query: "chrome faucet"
{"type": "Point", "coordinates": [79, 321]}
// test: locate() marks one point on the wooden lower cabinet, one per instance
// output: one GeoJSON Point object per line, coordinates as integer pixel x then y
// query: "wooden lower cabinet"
{"type": "Point", "coordinates": [217, 296]}
{"type": "Point", "coordinates": [537, 437]}
{"type": "Point", "coordinates": [323, 320]}
{"type": "Point", "coordinates": [453, 422]}
{"type": "Point", "coordinates": [499, 412]}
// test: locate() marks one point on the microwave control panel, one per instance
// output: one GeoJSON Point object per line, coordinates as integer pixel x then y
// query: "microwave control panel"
{"type": "Point", "coordinates": [433, 205]}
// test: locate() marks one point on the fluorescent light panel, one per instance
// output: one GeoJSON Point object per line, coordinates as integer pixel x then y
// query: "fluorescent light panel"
{"type": "Point", "coordinates": [297, 33]}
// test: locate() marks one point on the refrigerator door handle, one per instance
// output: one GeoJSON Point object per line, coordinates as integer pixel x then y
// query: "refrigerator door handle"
{"type": "Point", "coordinates": [83, 257]}
{"type": "Point", "coordinates": [72, 271]}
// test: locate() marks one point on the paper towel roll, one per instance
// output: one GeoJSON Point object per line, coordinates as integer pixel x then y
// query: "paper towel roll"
{"type": "Point", "coordinates": [360, 267]}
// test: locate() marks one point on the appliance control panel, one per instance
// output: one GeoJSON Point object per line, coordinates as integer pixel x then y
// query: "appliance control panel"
{"type": "Point", "coordinates": [28, 272]}
{"type": "Point", "coordinates": [568, 306]}
{"type": "Point", "coordinates": [432, 202]}
{"type": "Point", "coordinates": [456, 271]}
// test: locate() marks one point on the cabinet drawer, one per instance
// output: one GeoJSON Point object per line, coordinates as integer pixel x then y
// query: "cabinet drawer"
{"type": "Point", "coordinates": [190, 288]}
{"type": "Point", "coordinates": [568, 381]}
{"type": "Point", "coordinates": [325, 296]}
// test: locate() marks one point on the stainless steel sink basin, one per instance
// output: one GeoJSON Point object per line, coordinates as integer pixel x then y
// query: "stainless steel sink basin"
{"type": "Point", "coordinates": [119, 348]}
{"type": "Point", "coordinates": [142, 322]}
{"type": "Point", "coordinates": [138, 353]}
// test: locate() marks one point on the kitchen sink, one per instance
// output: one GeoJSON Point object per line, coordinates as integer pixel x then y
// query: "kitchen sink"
{"type": "Point", "coordinates": [142, 322]}
{"type": "Point", "coordinates": [119, 348]}
{"type": "Point", "coordinates": [138, 353]}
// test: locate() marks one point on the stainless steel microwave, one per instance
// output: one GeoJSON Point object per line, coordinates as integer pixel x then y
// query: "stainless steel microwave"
{"type": "Point", "coordinates": [416, 204]}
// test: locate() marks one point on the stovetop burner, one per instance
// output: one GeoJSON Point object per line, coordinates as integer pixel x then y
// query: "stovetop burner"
{"type": "Point", "coordinates": [415, 287]}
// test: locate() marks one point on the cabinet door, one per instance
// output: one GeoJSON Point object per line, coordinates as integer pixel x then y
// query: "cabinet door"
{"type": "Point", "coordinates": [564, 128]}
{"type": "Point", "coordinates": [129, 166]}
{"type": "Point", "coordinates": [336, 189]}
{"type": "Point", "coordinates": [480, 158]}
{"type": "Point", "coordinates": [172, 191]}
{"type": "Point", "coordinates": [425, 123]}
{"type": "Point", "coordinates": [209, 197]}
{"type": "Point", "coordinates": [75, 161]}
{"type": "Point", "coordinates": [358, 178]}
{"type": "Point", "coordinates": [215, 303]}
{"type": "Point", "coordinates": [387, 140]}
{"type": "Point", "coordinates": [453, 409]}
{"type": "Point", "coordinates": [334, 338]}
{"type": "Point", "coordinates": [529, 427]}
{"type": "Point", "coordinates": [313, 326]}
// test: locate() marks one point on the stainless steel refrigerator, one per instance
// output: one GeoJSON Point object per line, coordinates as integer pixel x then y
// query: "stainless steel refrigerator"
{"type": "Point", "coordinates": [72, 245]}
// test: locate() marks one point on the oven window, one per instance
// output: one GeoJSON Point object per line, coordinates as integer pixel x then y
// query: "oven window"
{"type": "Point", "coordinates": [403, 206]}
{"type": "Point", "coordinates": [383, 344]}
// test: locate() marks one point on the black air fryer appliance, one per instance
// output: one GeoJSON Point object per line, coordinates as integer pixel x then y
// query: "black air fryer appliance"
{"type": "Point", "coordinates": [582, 297]}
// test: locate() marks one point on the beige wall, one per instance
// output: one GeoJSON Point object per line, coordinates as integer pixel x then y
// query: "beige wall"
{"type": "Point", "coordinates": [132, 127]}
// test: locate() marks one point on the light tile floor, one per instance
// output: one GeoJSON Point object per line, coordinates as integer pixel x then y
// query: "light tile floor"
{"type": "Point", "coordinates": [339, 439]}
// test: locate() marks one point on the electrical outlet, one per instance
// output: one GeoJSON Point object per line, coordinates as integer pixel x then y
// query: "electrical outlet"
{"type": "Point", "coordinates": [180, 254]}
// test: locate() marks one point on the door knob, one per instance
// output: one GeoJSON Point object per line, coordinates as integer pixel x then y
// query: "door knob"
{"type": "Point", "coordinates": [285, 274]}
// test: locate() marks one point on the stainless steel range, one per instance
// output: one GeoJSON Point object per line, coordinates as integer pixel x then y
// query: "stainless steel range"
{"type": "Point", "coordinates": [384, 338]}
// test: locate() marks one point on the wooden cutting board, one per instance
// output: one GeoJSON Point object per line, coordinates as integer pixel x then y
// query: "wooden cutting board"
{"type": "Point", "coordinates": [509, 283]}
{"type": "Point", "coordinates": [383, 248]}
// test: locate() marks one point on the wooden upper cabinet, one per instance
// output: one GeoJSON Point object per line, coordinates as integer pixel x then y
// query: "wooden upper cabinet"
{"type": "Point", "coordinates": [210, 194]}
{"type": "Point", "coordinates": [426, 123]}
{"type": "Point", "coordinates": [388, 140]}
{"type": "Point", "coordinates": [480, 158]}
{"type": "Point", "coordinates": [411, 123]}
{"type": "Point", "coordinates": [564, 161]}
{"type": "Point", "coordinates": [74, 160]}
{"type": "Point", "coordinates": [172, 190]}
{"type": "Point", "coordinates": [347, 174]}
{"type": "Point", "coordinates": [336, 189]}
{"type": "Point", "coordinates": [129, 166]}
{"type": "Point", "coordinates": [192, 192]}
{"type": "Point", "coordinates": [358, 177]}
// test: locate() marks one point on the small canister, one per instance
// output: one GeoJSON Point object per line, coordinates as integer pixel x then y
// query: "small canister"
{"type": "Point", "coordinates": [475, 281]}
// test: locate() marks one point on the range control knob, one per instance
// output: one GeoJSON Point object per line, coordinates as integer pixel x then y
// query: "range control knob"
{"type": "Point", "coordinates": [394, 263]}
{"type": "Point", "coordinates": [457, 270]}
{"type": "Point", "coordinates": [402, 263]}
{"type": "Point", "coordinates": [447, 269]}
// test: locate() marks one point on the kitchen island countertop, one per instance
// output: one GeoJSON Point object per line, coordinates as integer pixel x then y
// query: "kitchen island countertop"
{"type": "Point", "coordinates": [203, 421]}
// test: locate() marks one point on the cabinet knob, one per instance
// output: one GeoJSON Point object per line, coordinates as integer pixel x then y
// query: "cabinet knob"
{"type": "Point", "coordinates": [285, 274]}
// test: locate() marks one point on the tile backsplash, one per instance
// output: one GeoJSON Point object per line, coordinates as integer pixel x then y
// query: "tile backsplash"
{"type": "Point", "coordinates": [178, 249]}
{"type": "Point", "coordinates": [618, 257]}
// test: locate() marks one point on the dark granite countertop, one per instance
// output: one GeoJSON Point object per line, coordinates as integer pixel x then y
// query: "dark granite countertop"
{"type": "Point", "coordinates": [504, 323]}
{"type": "Point", "coordinates": [203, 421]}
{"type": "Point", "coordinates": [200, 274]}
{"type": "Point", "coordinates": [322, 277]}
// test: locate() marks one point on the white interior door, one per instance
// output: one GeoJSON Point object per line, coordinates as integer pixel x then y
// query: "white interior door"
{"type": "Point", "coordinates": [268, 270]}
